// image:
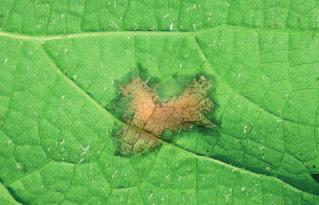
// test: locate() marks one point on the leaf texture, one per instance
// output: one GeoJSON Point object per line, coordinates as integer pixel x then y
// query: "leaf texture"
{"type": "Point", "coordinates": [60, 62]}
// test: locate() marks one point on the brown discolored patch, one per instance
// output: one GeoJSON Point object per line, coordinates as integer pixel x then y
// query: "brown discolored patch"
{"type": "Point", "coordinates": [151, 118]}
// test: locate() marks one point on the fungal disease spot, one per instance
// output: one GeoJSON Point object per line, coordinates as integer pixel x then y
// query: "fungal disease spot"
{"type": "Point", "coordinates": [150, 118]}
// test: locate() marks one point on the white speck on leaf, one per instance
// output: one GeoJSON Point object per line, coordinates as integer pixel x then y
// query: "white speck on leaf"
{"type": "Point", "coordinates": [18, 165]}
{"type": "Point", "coordinates": [150, 196]}
{"type": "Point", "coordinates": [194, 27]}
{"type": "Point", "coordinates": [84, 149]}
{"type": "Point", "coordinates": [245, 129]}
{"type": "Point", "coordinates": [114, 174]}
{"type": "Point", "coordinates": [171, 26]}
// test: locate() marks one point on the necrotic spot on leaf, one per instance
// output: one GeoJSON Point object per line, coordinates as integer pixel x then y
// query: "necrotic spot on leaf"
{"type": "Point", "coordinates": [151, 118]}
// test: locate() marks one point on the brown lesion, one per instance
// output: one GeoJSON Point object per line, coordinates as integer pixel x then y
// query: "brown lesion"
{"type": "Point", "coordinates": [151, 118]}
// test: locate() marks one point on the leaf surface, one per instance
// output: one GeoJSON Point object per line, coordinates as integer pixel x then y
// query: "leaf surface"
{"type": "Point", "coordinates": [60, 66]}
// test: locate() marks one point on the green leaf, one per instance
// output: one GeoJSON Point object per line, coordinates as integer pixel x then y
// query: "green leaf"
{"type": "Point", "coordinates": [5, 197]}
{"type": "Point", "coordinates": [61, 66]}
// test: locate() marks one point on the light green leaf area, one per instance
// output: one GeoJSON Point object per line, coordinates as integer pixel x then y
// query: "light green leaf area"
{"type": "Point", "coordinates": [5, 197]}
{"type": "Point", "coordinates": [61, 65]}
